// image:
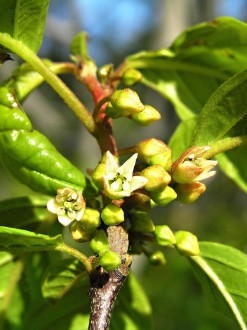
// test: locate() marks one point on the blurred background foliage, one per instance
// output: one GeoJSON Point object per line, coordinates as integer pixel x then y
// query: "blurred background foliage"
{"type": "Point", "coordinates": [117, 29]}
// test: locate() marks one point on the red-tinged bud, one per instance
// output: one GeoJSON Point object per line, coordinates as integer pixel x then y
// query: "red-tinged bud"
{"type": "Point", "coordinates": [150, 148]}
{"type": "Point", "coordinates": [157, 176]}
{"type": "Point", "coordinates": [124, 103]}
{"type": "Point", "coordinates": [192, 167]}
{"type": "Point", "coordinates": [147, 116]}
{"type": "Point", "coordinates": [112, 215]}
{"type": "Point", "coordinates": [163, 197]}
{"type": "Point", "coordinates": [131, 77]}
{"type": "Point", "coordinates": [164, 236]}
{"type": "Point", "coordinates": [189, 192]}
{"type": "Point", "coordinates": [187, 243]}
{"type": "Point", "coordinates": [157, 258]}
{"type": "Point", "coordinates": [141, 222]}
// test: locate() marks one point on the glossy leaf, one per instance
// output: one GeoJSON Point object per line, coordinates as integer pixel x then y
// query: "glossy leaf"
{"type": "Point", "coordinates": [222, 272]}
{"type": "Point", "coordinates": [24, 20]}
{"type": "Point", "coordinates": [20, 240]}
{"type": "Point", "coordinates": [23, 211]}
{"type": "Point", "coordinates": [34, 161]}
{"type": "Point", "coordinates": [197, 63]}
{"type": "Point", "coordinates": [61, 276]}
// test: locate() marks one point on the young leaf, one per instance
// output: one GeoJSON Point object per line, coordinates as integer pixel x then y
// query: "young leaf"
{"type": "Point", "coordinates": [222, 272]}
{"type": "Point", "coordinates": [24, 20]}
{"type": "Point", "coordinates": [61, 276]}
{"type": "Point", "coordinates": [23, 211]}
{"type": "Point", "coordinates": [196, 64]}
{"type": "Point", "coordinates": [19, 240]}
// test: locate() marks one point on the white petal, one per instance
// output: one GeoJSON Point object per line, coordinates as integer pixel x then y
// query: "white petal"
{"type": "Point", "coordinates": [111, 165]}
{"type": "Point", "coordinates": [64, 220]}
{"type": "Point", "coordinates": [128, 167]}
{"type": "Point", "coordinates": [79, 214]}
{"type": "Point", "coordinates": [138, 182]}
{"type": "Point", "coordinates": [52, 206]}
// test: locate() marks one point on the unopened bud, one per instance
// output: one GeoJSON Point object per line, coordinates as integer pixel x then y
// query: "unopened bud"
{"type": "Point", "coordinates": [112, 215]}
{"type": "Point", "coordinates": [131, 77]}
{"type": "Point", "coordinates": [99, 244]}
{"type": "Point", "coordinates": [147, 116]}
{"type": "Point", "coordinates": [98, 174]}
{"type": "Point", "coordinates": [163, 197]}
{"type": "Point", "coordinates": [79, 233]}
{"type": "Point", "coordinates": [157, 258]}
{"type": "Point", "coordinates": [109, 260]}
{"type": "Point", "coordinates": [90, 219]}
{"type": "Point", "coordinates": [124, 103]}
{"type": "Point", "coordinates": [105, 71]}
{"type": "Point", "coordinates": [164, 236]}
{"type": "Point", "coordinates": [150, 148]}
{"type": "Point", "coordinates": [187, 243]}
{"type": "Point", "coordinates": [157, 176]}
{"type": "Point", "coordinates": [141, 222]}
{"type": "Point", "coordinates": [189, 192]}
{"type": "Point", "coordinates": [164, 159]}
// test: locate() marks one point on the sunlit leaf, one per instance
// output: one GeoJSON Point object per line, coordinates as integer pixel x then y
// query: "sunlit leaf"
{"type": "Point", "coordinates": [24, 20]}
{"type": "Point", "coordinates": [197, 63]}
{"type": "Point", "coordinates": [222, 272]}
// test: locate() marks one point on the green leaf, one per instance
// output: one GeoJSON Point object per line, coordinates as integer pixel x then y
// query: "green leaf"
{"type": "Point", "coordinates": [132, 310]}
{"type": "Point", "coordinates": [23, 211]}
{"type": "Point", "coordinates": [20, 240]}
{"type": "Point", "coordinates": [24, 20]}
{"type": "Point", "coordinates": [35, 162]}
{"type": "Point", "coordinates": [197, 63]}
{"type": "Point", "coordinates": [61, 276]}
{"type": "Point", "coordinates": [180, 141]}
{"type": "Point", "coordinates": [222, 272]}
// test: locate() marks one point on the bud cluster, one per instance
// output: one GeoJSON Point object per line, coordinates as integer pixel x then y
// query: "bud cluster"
{"type": "Point", "coordinates": [126, 103]}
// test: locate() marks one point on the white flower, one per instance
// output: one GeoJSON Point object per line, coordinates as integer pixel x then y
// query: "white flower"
{"type": "Point", "coordinates": [119, 182]}
{"type": "Point", "coordinates": [68, 205]}
{"type": "Point", "coordinates": [192, 166]}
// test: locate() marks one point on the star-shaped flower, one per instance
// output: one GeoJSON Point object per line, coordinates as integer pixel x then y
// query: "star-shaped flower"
{"type": "Point", "coordinates": [68, 205]}
{"type": "Point", "coordinates": [119, 181]}
{"type": "Point", "coordinates": [192, 166]}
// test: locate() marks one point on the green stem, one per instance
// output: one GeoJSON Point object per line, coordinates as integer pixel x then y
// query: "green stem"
{"type": "Point", "coordinates": [55, 82]}
{"type": "Point", "coordinates": [226, 144]}
{"type": "Point", "coordinates": [76, 254]}
{"type": "Point", "coordinates": [13, 280]}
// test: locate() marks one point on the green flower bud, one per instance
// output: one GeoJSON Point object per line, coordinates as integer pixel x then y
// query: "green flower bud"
{"type": "Point", "coordinates": [141, 222]}
{"type": "Point", "coordinates": [163, 197]}
{"type": "Point", "coordinates": [187, 243]}
{"type": "Point", "coordinates": [79, 233]}
{"type": "Point", "coordinates": [131, 77]}
{"type": "Point", "coordinates": [149, 148]}
{"type": "Point", "coordinates": [188, 193]}
{"type": "Point", "coordinates": [164, 236]}
{"type": "Point", "coordinates": [105, 71]}
{"type": "Point", "coordinates": [124, 103]}
{"type": "Point", "coordinates": [164, 159]}
{"type": "Point", "coordinates": [157, 258]}
{"type": "Point", "coordinates": [147, 116]}
{"type": "Point", "coordinates": [98, 174]}
{"type": "Point", "coordinates": [112, 215]}
{"type": "Point", "coordinates": [157, 177]}
{"type": "Point", "coordinates": [91, 219]}
{"type": "Point", "coordinates": [99, 244]}
{"type": "Point", "coordinates": [110, 260]}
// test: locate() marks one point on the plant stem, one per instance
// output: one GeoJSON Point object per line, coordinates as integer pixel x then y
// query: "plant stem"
{"type": "Point", "coordinates": [105, 286]}
{"type": "Point", "coordinates": [226, 144]}
{"type": "Point", "coordinates": [56, 83]}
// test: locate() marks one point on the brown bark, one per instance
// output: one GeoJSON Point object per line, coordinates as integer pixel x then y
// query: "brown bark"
{"type": "Point", "coordinates": [105, 286]}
